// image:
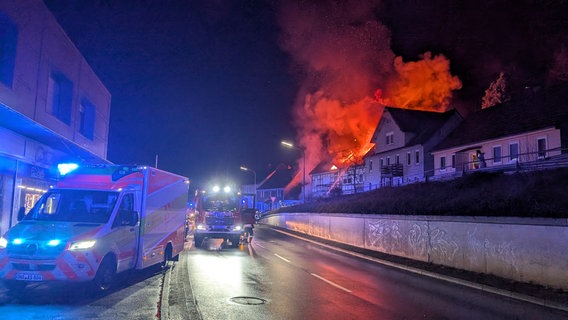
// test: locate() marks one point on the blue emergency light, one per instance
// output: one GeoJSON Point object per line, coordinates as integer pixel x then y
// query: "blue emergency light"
{"type": "Point", "coordinates": [65, 168]}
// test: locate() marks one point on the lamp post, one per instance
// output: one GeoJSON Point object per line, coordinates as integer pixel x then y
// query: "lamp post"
{"type": "Point", "coordinates": [254, 173]}
{"type": "Point", "coordinates": [292, 146]}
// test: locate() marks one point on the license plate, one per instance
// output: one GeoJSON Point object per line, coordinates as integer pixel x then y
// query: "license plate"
{"type": "Point", "coordinates": [29, 276]}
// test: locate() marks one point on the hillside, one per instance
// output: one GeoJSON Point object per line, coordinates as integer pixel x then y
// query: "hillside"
{"type": "Point", "coordinates": [521, 194]}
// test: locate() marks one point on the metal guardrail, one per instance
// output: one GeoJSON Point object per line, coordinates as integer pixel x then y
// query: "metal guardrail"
{"type": "Point", "coordinates": [530, 161]}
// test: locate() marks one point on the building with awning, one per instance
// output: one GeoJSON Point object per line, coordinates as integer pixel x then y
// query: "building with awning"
{"type": "Point", "coordinates": [53, 107]}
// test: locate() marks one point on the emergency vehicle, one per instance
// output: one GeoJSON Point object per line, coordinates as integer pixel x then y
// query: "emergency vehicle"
{"type": "Point", "coordinates": [98, 221]}
{"type": "Point", "coordinates": [218, 216]}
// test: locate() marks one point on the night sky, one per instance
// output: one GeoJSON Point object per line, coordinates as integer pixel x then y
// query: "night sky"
{"type": "Point", "coordinates": [211, 85]}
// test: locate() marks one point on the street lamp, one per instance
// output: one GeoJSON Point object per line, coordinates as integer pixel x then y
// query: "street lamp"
{"type": "Point", "coordinates": [292, 146]}
{"type": "Point", "coordinates": [254, 196]}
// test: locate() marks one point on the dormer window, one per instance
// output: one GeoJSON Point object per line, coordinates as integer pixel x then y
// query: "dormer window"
{"type": "Point", "coordinates": [390, 138]}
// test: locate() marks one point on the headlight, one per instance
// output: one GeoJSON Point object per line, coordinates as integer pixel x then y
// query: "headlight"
{"type": "Point", "coordinates": [54, 242]}
{"type": "Point", "coordinates": [201, 227]}
{"type": "Point", "coordinates": [237, 228]}
{"type": "Point", "coordinates": [82, 245]}
{"type": "Point", "coordinates": [3, 242]}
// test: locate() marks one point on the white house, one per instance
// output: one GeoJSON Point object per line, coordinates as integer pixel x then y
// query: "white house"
{"type": "Point", "coordinates": [521, 131]}
{"type": "Point", "coordinates": [403, 141]}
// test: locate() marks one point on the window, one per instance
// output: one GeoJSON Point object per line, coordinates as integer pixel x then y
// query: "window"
{"type": "Point", "coordinates": [8, 42]}
{"type": "Point", "coordinates": [390, 138]}
{"type": "Point", "coordinates": [497, 154]}
{"type": "Point", "coordinates": [442, 163]}
{"type": "Point", "coordinates": [397, 159]}
{"type": "Point", "coordinates": [370, 165]}
{"type": "Point", "coordinates": [514, 152]}
{"type": "Point", "coordinates": [59, 96]}
{"type": "Point", "coordinates": [417, 157]}
{"type": "Point", "coordinates": [408, 158]}
{"type": "Point", "coordinates": [453, 161]}
{"type": "Point", "coordinates": [541, 147]}
{"type": "Point", "coordinates": [388, 161]}
{"type": "Point", "coordinates": [382, 163]}
{"type": "Point", "coordinates": [87, 118]}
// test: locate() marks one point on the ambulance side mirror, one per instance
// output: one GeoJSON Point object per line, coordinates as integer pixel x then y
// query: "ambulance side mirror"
{"type": "Point", "coordinates": [21, 213]}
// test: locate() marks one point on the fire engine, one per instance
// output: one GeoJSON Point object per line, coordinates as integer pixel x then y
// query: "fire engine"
{"type": "Point", "coordinates": [219, 215]}
{"type": "Point", "coordinates": [98, 221]}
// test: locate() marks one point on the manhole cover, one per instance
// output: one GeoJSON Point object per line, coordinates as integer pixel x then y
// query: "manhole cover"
{"type": "Point", "coordinates": [248, 300]}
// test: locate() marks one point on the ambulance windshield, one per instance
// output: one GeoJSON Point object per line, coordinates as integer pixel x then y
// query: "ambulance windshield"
{"type": "Point", "coordinates": [74, 206]}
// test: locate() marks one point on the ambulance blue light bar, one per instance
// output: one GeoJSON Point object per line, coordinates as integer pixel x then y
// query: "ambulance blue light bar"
{"type": "Point", "coordinates": [65, 168]}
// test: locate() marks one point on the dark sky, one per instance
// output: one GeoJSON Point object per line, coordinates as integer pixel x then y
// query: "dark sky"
{"type": "Point", "coordinates": [210, 85]}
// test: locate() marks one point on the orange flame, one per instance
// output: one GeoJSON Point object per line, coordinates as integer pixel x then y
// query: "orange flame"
{"type": "Point", "coordinates": [422, 85]}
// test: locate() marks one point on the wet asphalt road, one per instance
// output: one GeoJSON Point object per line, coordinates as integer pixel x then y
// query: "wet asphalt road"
{"type": "Point", "coordinates": [282, 277]}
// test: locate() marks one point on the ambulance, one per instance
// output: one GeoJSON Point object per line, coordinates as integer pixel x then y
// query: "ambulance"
{"type": "Point", "coordinates": [98, 221]}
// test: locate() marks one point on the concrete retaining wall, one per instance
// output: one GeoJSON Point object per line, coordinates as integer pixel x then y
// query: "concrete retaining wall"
{"type": "Point", "coordinates": [521, 249]}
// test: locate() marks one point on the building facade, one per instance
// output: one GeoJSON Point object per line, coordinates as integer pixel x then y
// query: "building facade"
{"type": "Point", "coordinates": [529, 129]}
{"type": "Point", "coordinates": [403, 141]}
{"type": "Point", "coordinates": [53, 107]}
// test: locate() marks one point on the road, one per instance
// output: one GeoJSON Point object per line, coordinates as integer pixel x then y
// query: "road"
{"type": "Point", "coordinates": [282, 277]}
{"type": "Point", "coordinates": [276, 277]}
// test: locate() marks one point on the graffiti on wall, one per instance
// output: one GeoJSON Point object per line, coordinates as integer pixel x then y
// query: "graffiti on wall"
{"type": "Point", "coordinates": [503, 251]}
{"type": "Point", "coordinates": [418, 241]}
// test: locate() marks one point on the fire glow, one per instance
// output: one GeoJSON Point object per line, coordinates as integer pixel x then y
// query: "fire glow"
{"type": "Point", "coordinates": [351, 74]}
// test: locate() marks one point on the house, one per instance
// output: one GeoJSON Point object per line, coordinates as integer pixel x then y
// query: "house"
{"type": "Point", "coordinates": [53, 107]}
{"type": "Point", "coordinates": [403, 141]}
{"type": "Point", "coordinates": [531, 127]}
{"type": "Point", "coordinates": [276, 189]}
{"type": "Point", "coordinates": [330, 179]}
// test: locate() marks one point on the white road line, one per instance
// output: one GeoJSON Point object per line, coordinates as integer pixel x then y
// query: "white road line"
{"type": "Point", "coordinates": [258, 244]}
{"type": "Point", "coordinates": [282, 258]}
{"type": "Point", "coordinates": [331, 282]}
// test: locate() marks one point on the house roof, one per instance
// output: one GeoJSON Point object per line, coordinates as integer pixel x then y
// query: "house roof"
{"type": "Point", "coordinates": [278, 178]}
{"type": "Point", "coordinates": [533, 110]}
{"type": "Point", "coordinates": [422, 123]}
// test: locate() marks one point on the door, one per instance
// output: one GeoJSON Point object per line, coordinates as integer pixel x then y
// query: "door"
{"type": "Point", "coordinates": [124, 233]}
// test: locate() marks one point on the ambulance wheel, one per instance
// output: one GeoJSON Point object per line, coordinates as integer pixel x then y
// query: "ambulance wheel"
{"type": "Point", "coordinates": [198, 241]}
{"type": "Point", "coordinates": [104, 279]}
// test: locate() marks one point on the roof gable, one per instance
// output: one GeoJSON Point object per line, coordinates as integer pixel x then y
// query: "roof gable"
{"type": "Point", "coordinates": [421, 124]}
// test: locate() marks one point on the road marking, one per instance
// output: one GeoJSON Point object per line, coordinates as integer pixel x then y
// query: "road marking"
{"type": "Point", "coordinates": [331, 282]}
{"type": "Point", "coordinates": [258, 244]}
{"type": "Point", "coordinates": [281, 257]}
